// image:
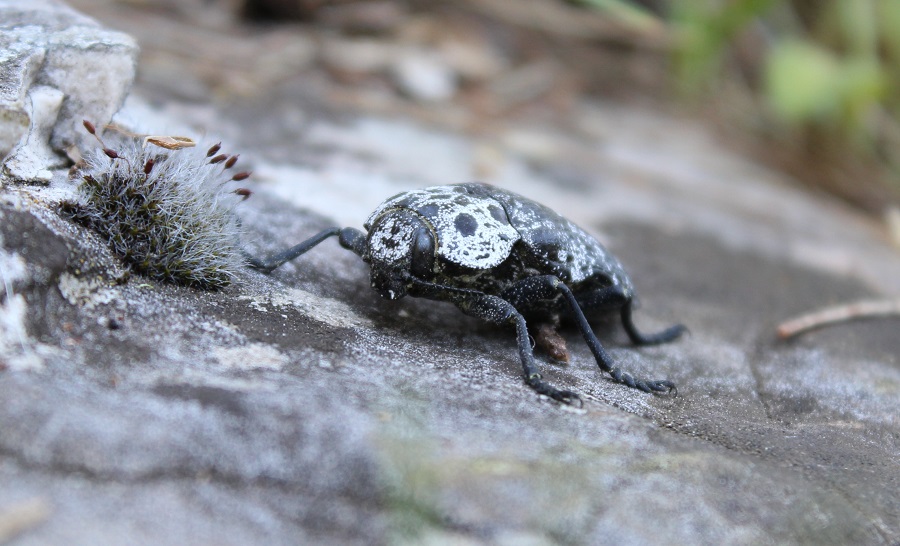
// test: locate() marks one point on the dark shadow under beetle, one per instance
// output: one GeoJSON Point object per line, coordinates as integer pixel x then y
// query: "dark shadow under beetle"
{"type": "Point", "coordinates": [497, 256]}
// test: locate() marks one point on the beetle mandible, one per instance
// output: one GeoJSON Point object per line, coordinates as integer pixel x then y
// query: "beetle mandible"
{"type": "Point", "coordinates": [497, 256]}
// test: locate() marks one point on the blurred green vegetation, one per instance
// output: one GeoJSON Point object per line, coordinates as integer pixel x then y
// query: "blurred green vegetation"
{"type": "Point", "coordinates": [835, 62]}
{"type": "Point", "coordinates": [818, 78]}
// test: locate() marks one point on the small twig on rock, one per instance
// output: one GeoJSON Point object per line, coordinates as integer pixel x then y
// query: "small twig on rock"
{"type": "Point", "coordinates": [840, 313]}
{"type": "Point", "coordinates": [22, 517]}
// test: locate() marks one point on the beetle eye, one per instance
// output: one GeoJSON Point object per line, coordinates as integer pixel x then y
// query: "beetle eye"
{"type": "Point", "coordinates": [422, 265]}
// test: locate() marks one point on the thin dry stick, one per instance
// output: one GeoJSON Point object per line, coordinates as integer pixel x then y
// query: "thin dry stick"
{"type": "Point", "coordinates": [840, 313]}
{"type": "Point", "coordinates": [15, 520]}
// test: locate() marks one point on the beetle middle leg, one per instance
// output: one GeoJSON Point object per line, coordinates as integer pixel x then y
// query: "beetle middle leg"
{"type": "Point", "coordinates": [498, 311]}
{"type": "Point", "coordinates": [548, 287]}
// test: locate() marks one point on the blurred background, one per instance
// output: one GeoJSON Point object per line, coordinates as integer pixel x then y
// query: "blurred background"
{"type": "Point", "coordinates": [809, 87]}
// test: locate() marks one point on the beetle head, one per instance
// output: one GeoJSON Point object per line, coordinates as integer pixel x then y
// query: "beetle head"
{"type": "Point", "coordinates": [400, 245]}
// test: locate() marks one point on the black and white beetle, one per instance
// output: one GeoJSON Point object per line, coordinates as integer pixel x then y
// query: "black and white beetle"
{"type": "Point", "coordinates": [497, 256]}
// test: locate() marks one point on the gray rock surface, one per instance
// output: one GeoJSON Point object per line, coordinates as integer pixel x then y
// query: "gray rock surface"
{"type": "Point", "coordinates": [57, 67]}
{"type": "Point", "coordinates": [300, 408]}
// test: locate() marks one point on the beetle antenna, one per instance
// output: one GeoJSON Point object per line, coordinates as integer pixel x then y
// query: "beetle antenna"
{"type": "Point", "coordinates": [270, 264]}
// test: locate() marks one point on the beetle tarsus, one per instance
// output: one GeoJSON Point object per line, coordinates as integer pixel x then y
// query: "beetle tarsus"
{"type": "Point", "coordinates": [533, 376]}
{"type": "Point", "coordinates": [548, 390]}
{"type": "Point", "coordinates": [646, 385]}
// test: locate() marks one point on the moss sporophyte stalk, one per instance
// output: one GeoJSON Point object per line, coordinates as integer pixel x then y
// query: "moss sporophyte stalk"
{"type": "Point", "coordinates": [164, 207]}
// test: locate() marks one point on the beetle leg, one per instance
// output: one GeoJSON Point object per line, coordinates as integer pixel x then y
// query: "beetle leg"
{"type": "Point", "coordinates": [669, 334]}
{"type": "Point", "coordinates": [497, 311]}
{"type": "Point", "coordinates": [350, 238]}
{"type": "Point", "coordinates": [546, 287]}
{"type": "Point", "coordinates": [613, 298]}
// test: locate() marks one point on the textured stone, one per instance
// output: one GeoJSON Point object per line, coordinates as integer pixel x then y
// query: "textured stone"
{"type": "Point", "coordinates": [57, 67]}
{"type": "Point", "coordinates": [302, 408]}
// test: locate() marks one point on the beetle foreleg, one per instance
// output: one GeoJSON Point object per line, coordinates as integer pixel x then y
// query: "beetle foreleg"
{"type": "Point", "coordinates": [533, 376]}
{"type": "Point", "coordinates": [350, 238]}
{"type": "Point", "coordinates": [545, 287]}
{"type": "Point", "coordinates": [497, 311]}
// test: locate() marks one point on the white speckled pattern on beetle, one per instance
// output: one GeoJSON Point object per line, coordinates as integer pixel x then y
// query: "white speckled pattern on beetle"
{"type": "Point", "coordinates": [473, 233]}
{"type": "Point", "coordinates": [392, 243]}
{"type": "Point", "coordinates": [478, 226]}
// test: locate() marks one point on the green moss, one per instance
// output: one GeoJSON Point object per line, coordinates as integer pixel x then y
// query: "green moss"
{"type": "Point", "coordinates": [167, 214]}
